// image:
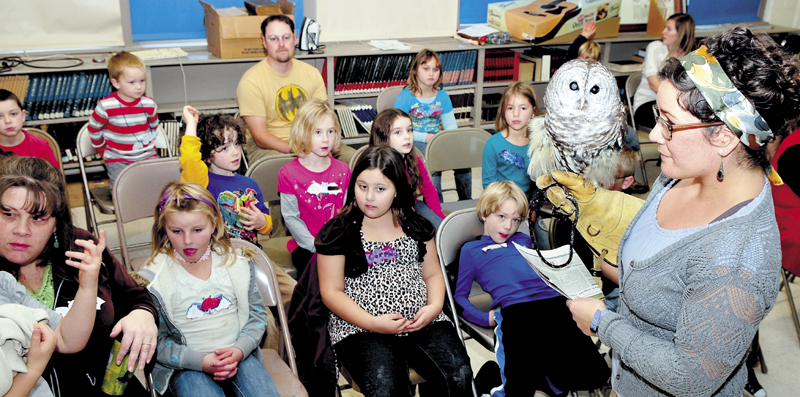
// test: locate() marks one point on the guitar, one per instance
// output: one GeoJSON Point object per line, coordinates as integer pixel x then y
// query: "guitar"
{"type": "Point", "coordinates": [541, 19]}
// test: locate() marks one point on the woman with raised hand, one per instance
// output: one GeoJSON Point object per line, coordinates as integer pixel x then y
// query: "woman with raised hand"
{"type": "Point", "coordinates": [40, 247]}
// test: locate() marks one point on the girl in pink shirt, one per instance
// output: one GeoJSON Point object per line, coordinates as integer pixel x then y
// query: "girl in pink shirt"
{"type": "Point", "coordinates": [393, 127]}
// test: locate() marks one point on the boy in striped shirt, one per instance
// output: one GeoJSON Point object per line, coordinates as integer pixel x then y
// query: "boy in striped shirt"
{"type": "Point", "coordinates": [123, 125]}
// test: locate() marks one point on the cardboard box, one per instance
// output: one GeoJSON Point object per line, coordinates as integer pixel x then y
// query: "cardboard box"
{"type": "Point", "coordinates": [541, 20]}
{"type": "Point", "coordinates": [237, 36]}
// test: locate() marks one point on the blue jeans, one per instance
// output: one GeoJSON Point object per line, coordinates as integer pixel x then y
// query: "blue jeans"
{"type": "Point", "coordinates": [463, 183]}
{"type": "Point", "coordinates": [380, 363]}
{"type": "Point", "coordinates": [632, 138]}
{"type": "Point", "coordinates": [612, 300]}
{"type": "Point", "coordinates": [463, 178]}
{"type": "Point", "coordinates": [428, 213]}
{"type": "Point", "coordinates": [251, 380]}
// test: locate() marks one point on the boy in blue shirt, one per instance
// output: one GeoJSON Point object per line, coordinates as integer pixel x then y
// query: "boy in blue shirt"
{"type": "Point", "coordinates": [547, 351]}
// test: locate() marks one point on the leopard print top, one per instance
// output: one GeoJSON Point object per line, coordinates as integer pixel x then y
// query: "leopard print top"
{"type": "Point", "coordinates": [392, 284]}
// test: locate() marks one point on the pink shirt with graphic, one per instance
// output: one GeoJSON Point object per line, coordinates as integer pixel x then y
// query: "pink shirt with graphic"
{"type": "Point", "coordinates": [320, 195]}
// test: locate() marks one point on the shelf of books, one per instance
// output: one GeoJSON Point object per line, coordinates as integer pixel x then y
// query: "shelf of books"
{"type": "Point", "coordinates": [58, 97]}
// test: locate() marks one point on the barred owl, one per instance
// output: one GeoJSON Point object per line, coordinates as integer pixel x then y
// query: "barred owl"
{"type": "Point", "coordinates": [584, 127]}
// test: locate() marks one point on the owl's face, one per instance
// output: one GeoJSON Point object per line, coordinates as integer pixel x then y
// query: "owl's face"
{"type": "Point", "coordinates": [581, 88]}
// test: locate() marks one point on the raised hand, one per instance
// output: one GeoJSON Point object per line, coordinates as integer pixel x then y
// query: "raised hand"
{"type": "Point", "coordinates": [191, 117]}
{"type": "Point", "coordinates": [589, 29]}
{"type": "Point", "coordinates": [89, 261]}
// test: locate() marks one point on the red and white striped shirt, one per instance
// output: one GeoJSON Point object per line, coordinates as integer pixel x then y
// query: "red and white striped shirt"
{"type": "Point", "coordinates": [124, 131]}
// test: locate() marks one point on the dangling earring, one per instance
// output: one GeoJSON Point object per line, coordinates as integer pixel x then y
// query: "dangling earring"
{"type": "Point", "coordinates": [721, 172]}
{"type": "Point", "coordinates": [55, 241]}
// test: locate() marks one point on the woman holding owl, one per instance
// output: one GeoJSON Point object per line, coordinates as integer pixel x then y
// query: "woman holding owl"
{"type": "Point", "coordinates": [699, 263]}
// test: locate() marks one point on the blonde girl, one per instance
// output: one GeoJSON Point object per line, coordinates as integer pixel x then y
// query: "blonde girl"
{"type": "Point", "coordinates": [312, 186]}
{"type": "Point", "coordinates": [213, 315]}
{"type": "Point", "coordinates": [428, 104]}
{"type": "Point", "coordinates": [392, 127]}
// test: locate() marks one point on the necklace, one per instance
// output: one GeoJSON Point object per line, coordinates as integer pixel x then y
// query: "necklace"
{"type": "Point", "coordinates": [202, 258]}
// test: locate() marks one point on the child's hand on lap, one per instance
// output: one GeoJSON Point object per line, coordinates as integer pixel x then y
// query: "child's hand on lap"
{"type": "Point", "coordinates": [223, 362]}
{"type": "Point", "coordinates": [88, 262]}
{"type": "Point", "coordinates": [43, 344]}
{"type": "Point", "coordinates": [255, 218]}
{"type": "Point", "coordinates": [492, 323]}
{"type": "Point", "coordinates": [191, 117]}
{"type": "Point", "coordinates": [390, 323]}
{"type": "Point", "coordinates": [424, 316]}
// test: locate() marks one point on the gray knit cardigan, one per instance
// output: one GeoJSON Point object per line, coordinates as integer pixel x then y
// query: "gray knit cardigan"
{"type": "Point", "coordinates": [688, 313]}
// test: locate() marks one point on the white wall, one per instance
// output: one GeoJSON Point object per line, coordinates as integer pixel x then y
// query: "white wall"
{"type": "Point", "coordinates": [782, 13]}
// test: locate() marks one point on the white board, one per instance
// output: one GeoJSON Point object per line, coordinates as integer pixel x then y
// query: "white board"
{"type": "Point", "coordinates": [351, 20]}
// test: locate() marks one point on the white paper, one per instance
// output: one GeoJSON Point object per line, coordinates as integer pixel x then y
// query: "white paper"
{"type": "Point", "coordinates": [571, 281]}
{"type": "Point", "coordinates": [230, 12]}
{"type": "Point", "coordinates": [478, 30]}
{"type": "Point", "coordinates": [389, 45]}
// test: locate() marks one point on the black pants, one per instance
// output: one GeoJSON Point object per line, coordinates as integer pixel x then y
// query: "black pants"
{"type": "Point", "coordinates": [542, 343]}
{"type": "Point", "coordinates": [643, 117]}
{"type": "Point", "coordinates": [380, 363]}
{"type": "Point", "coordinates": [300, 258]}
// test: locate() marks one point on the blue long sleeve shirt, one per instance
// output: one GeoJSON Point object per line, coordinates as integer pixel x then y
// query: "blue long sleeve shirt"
{"type": "Point", "coordinates": [502, 272]}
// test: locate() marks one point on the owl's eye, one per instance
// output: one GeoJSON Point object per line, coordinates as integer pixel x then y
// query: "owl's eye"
{"type": "Point", "coordinates": [595, 90]}
{"type": "Point", "coordinates": [573, 86]}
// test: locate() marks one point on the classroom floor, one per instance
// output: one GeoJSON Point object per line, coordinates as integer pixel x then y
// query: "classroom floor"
{"type": "Point", "coordinates": [779, 341]}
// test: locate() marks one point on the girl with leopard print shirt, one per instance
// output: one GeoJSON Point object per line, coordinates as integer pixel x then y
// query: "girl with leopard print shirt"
{"type": "Point", "coordinates": [380, 277]}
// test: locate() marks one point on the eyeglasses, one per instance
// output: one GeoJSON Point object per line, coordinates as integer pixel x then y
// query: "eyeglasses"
{"type": "Point", "coordinates": [274, 39]}
{"type": "Point", "coordinates": [667, 128]}
{"type": "Point", "coordinates": [623, 177]}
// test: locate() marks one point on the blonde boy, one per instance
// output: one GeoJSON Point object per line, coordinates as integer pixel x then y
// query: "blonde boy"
{"type": "Point", "coordinates": [123, 125]}
{"type": "Point", "coordinates": [15, 139]}
{"type": "Point", "coordinates": [527, 311]}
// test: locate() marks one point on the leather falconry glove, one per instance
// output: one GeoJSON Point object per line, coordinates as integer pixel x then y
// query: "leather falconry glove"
{"type": "Point", "coordinates": [603, 215]}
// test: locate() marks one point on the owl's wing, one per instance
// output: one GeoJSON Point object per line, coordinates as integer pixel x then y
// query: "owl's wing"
{"type": "Point", "coordinates": [541, 150]}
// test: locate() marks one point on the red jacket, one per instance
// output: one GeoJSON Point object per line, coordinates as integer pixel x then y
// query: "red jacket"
{"type": "Point", "coordinates": [787, 211]}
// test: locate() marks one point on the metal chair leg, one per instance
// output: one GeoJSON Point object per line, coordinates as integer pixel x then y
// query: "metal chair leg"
{"type": "Point", "coordinates": [791, 304]}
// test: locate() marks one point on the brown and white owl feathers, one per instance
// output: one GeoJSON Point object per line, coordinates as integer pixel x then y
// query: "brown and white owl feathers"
{"type": "Point", "coordinates": [584, 126]}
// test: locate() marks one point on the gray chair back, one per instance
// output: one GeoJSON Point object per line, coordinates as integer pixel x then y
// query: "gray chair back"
{"type": "Point", "coordinates": [387, 96]}
{"type": "Point", "coordinates": [137, 191]}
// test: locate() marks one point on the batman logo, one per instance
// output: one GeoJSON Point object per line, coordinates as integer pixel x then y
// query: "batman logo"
{"type": "Point", "coordinates": [289, 99]}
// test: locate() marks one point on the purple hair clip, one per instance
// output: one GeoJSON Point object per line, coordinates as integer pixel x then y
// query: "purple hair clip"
{"type": "Point", "coordinates": [168, 193]}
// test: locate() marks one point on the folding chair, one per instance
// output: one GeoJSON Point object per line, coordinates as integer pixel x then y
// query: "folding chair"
{"type": "Point", "coordinates": [631, 84]}
{"type": "Point", "coordinates": [456, 149]}
{"type": "Point", "coordinates": [137, 191]}
{"type": "Point", "coordinates": [50, 141]}
{"type": "Point", "coordinates": [785, 283]}
{"type": "Point", "coordinates": [285, 378]}
{"type": "Point", "coordinates": [101, 196]}
{"type": "Point", "coordinates": [265, 172]}
{"type": "Point", "coordinates": [456, 229]}
{"type": "Point", "coordinates": [387, 96]}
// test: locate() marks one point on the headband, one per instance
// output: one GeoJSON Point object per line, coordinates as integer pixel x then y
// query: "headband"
{"type": "Point", "coordinates": [728, 103]}
{"type": "Point", "coordinates": [168, 193]}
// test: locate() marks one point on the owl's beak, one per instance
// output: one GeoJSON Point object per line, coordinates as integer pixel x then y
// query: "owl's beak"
{"type": "Point", "coordinates": [583, 101]}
